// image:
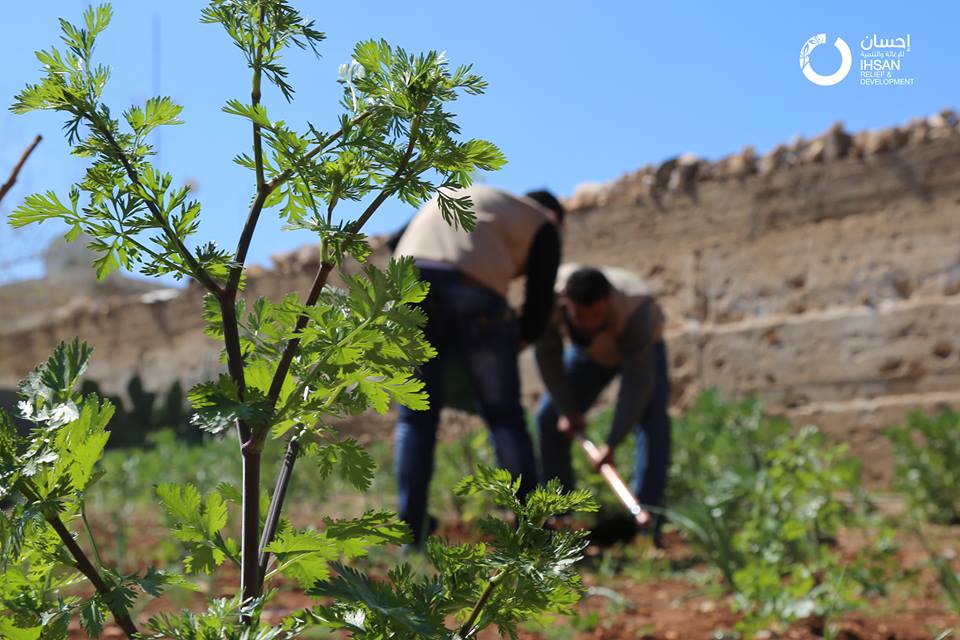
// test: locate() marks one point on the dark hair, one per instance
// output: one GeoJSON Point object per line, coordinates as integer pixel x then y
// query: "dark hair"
{"type": "Point", "coordinates": [548, 200]}
{"type": "Point", "coordinates": [587, 286]}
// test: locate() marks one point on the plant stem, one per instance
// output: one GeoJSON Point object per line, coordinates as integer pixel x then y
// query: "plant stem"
{"type": "Point", "coordinates": [197, 271]}
{"type": "Point", "coordinates": [231, 341]}
{"type": "Point", "coordinates": [150, 252]}
{"type": "Point", "coordinates": [390, 187]}
{"type": "Point", "coordinates": [246, 236]}
{"type": "Point", "coordinates": [317, 150]}
{"type": "Point", "coordinates": [16, 169]}
{"type": "Point", "coordinates": [308, 378]}
{"type": "Point", "coordinates": [249, 446]}
{"type": "Point", "coordinates": [264, 189]}
{"type": "Point", "coordinates": [283, 367]}
{"type": "Point", "coordinates": [276, 502]}
{"type": "Point", "coordinates": [255, 101]}
{"type": "Point", "coordinates": [326, 267]}
{"type": "Point", "coordinates": [250, 524]}
{"type": "Point", "coordinates": [86, 568]}
{"type": "Point", "coordinates": [93, 542]}
{"type": "Point", "coordinates": [467, 629]}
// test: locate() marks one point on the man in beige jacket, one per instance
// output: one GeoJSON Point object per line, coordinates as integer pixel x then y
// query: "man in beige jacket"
{"type": "Point", "coordinates": [468, 317]}
{"type": "Point", "coordinates": [613, 326]}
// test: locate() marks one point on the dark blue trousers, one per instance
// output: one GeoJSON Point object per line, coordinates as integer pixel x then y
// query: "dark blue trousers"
{"type": "Point", "coordinates": [476, 324]}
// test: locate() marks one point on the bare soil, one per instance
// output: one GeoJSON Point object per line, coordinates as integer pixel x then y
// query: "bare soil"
{"type": "Point", "coordinates": [636, 591]}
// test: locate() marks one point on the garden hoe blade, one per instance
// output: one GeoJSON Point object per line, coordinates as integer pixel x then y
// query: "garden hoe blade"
{"type": "Point", "coordinates": [609, 473]}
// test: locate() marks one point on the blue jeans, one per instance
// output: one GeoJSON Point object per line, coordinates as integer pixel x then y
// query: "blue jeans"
{"type": "Point", "coordinates": [477, 325]}
{"type": "Point", "coordinates": [652, 453]}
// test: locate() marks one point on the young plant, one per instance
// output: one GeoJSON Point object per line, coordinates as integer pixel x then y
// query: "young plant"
{"type": "Point", "coordinates": [927, 452]}
{"type": "Point", "coordinates": [291, 365]}
{"type": "Point", "coordinates": [762, 503]}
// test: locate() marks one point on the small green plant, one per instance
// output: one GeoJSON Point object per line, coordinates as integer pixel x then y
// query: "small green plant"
{"type": "Point", "coordinates": [927, 454]}
{"type": "Point", "coordinates": [291, 365]}
{"type": "Point", "coordinates": [717, 443]}
{"type": "Point", "coordinates": [763, 504]}
{"type": "Point", "coordinates": [941, 563]}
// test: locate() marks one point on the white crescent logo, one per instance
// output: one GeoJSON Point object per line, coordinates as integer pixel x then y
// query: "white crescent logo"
{"type": "Point", "coordinates": [846, 61]}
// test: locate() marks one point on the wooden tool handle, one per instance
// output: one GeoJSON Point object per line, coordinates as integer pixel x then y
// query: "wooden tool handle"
{"type": "Point", "coordinates": [609, 473]}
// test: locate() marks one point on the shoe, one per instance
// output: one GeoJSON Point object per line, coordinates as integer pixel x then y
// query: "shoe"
{"type": "Point", "coordinates": [417, 545]}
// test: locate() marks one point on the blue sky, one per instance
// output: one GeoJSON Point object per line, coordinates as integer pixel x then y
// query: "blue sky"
{"type": "Point", "coordinates": [579, 91]}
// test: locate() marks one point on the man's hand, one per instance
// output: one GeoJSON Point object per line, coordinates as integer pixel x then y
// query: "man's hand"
{"type": "Point", "coordinates": [571, 424]}
{"type": "Point", "coordinates": [605, 456]}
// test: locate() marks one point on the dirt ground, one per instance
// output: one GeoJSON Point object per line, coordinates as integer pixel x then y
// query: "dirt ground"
{"type": "Point", "coordinates": [635, 591]}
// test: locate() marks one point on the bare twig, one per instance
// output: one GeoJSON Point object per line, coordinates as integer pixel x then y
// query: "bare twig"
{"type": "Point", "coordinates": [16, 169]}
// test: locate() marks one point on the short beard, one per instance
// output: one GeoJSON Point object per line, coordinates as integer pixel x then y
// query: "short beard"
{"type": "Point", "coordinates": [577, 337]}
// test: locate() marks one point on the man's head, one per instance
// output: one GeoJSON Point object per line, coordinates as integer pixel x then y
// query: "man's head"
{"type": "Point", "coordinates": [586, 299]}
{"type": "Point", "coordinates": [548, 200]}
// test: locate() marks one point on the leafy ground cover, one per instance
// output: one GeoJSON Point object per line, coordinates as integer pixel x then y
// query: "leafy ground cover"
{"type": "Point", "coordinates": [870, 574]}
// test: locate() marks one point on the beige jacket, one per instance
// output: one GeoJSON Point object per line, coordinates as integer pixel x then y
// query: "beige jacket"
{"type": "Point", "coordinates": [495, 252]}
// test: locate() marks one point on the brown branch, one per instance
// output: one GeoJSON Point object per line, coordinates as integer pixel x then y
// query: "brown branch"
{"type": "Point", "coordinates": [246, 235]}
{"type": "Point", "coordinates": [250, 524]}
{"type": "Point", "coordinates": [16, 169]}
{"type": "Point", "coordinates": [276, 503]}
{"type": "Point", "coordinates": [250, 580]}
{"type": "Point", "coordinates": [86, 567]}
{"type": "Point", "coordinates": [255, 101]}
{"type": "Point", "coordinates": [283, 367]}
{"type": "Point", "coordinates": [231, 341]}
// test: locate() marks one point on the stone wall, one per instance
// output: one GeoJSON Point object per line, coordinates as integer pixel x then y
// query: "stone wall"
{"type": "Point", "coordinates": [157, 335]}
{"type": "Point", "coordinates": [823, 276]}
